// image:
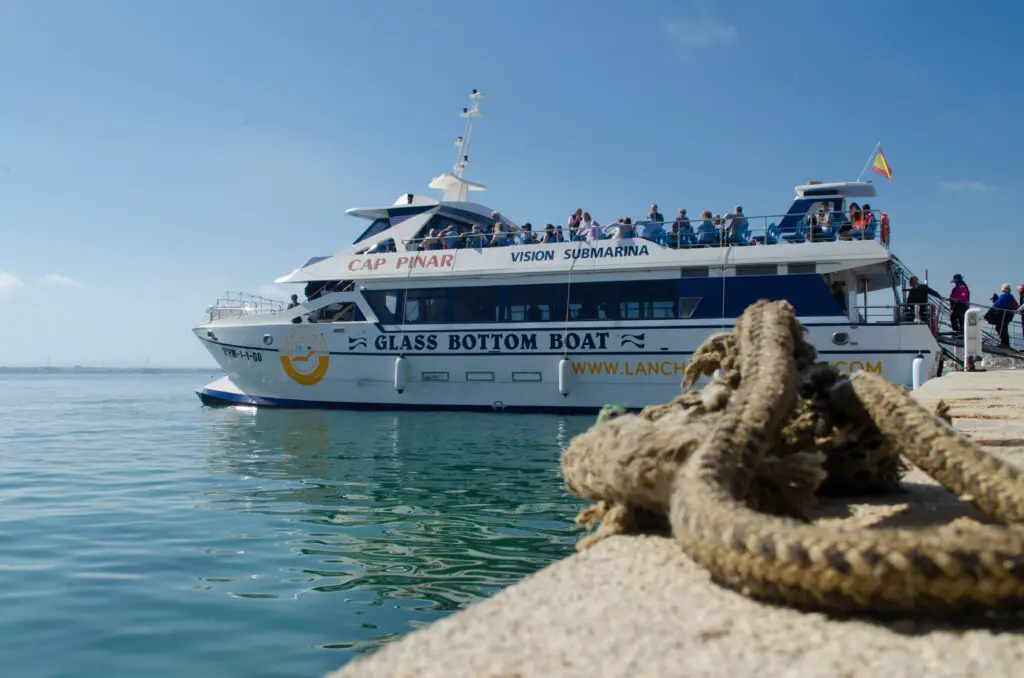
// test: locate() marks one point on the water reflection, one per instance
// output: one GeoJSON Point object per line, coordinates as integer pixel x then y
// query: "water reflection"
{"type": "Point", "coordinates": [402, 517]}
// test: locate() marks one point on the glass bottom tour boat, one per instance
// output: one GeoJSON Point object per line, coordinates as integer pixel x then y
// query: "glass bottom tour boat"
{"type": "Point", "coordinates": [390, 322]}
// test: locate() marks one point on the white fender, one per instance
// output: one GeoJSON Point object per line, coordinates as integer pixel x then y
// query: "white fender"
{"type": "Point", "coordinates": [564, 373]}
{"type": "Point", "coordinates": [918, 376]}
{"type": "Point", "coordinates": [401, 373]}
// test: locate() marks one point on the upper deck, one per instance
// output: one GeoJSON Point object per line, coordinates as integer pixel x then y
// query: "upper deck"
{"type": "Point", "coordinates": [408, 241]}
{"type": "Point", "coordinates": [419, 238]}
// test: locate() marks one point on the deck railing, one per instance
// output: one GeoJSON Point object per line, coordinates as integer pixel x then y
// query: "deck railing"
{"type": "Point", "coordinates": [239, 305]}
{"type": "Point", "coordinates": [716, 232]}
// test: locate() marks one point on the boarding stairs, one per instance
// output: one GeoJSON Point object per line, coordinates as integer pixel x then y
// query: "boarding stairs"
{"type": "Point", "coordinates": [951, 342]}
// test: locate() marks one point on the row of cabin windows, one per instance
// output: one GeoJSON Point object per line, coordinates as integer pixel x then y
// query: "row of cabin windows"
{"type": "Point", "coordinates": [632, 300]}
{"type": "Point", "coordinates": [683, 297]}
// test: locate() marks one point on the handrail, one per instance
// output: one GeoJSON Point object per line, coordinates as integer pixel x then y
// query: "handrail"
{"type": "Point", "coordinates": [759, 230]}
{"type": "Point", "coordinates": [240, 304]}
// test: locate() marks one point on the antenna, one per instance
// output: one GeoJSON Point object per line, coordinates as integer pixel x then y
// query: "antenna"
{"type": "Point", "coordinates": [471, 114]}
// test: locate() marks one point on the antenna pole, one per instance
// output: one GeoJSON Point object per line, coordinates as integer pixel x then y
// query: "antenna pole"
{"type": "Point", "coordinates": [870, 158]}
{"type": "Point", "coordinates": [471, 114]}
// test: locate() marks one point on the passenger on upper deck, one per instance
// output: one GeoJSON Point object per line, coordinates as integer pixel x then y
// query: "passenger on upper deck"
{"type": "Point", "coordinates": [499, 239]}
{"type": "Point", "coordinates": [653, 230]}
{"type": "Point", "coordinates": [625, 229]}
{"type": "Point", "coordinates": [526, 235]}
{"type": "Point", "coordinates": [821, 222]}
{"type": "Point", "coordinates": [735, 224]}
{"type": "Point", "coordinates": [575, 220]}
{"type": "Point", "coordinates": [682, 223]}
{"type": "Point", "coordinates": [593, 232]}
{"type": "Point", "coordinates": [655, 215]}
{"type": "Point", "coordinates": [855, 221]}
{"type": "Point", "coordinates": [294, 302]}
{"type": "Point", "coordinates": [432, 242]}
{"type": "Point", "coordinates": [451, 237]}
{"type": "Point", "coordinates": [476, 238]}
{"type": "Point", "coordinates": [549, 235]}
{"type": "Point", "coordinates": [584, 227]}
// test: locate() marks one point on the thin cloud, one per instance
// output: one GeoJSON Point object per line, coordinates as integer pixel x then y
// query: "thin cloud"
{"type": "Point", "coordinates": [61, 281]}
{"type": "Point", "coordinates": [965, 186]}
{"type": "Point", "coordinates": [704, 32]}
{"type": "Point", "coordinates": [9, 283]}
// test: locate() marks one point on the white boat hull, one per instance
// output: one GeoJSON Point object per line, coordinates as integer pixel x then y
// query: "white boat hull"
{"type": "Point", "coordinates": [353, 365]}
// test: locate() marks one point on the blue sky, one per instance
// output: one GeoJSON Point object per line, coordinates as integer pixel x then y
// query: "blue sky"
{"type": "Point", "coordinates": [154, 154]}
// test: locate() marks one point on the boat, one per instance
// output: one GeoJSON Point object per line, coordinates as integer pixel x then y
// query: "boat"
{"type": "Point", "coordinates": [392, 322]}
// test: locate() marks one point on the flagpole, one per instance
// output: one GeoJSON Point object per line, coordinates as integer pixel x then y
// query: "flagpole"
{"type": "Point", "coordinates": [870, 158]}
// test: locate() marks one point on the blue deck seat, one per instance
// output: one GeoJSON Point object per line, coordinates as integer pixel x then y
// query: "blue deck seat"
{"type": "Point", "coordinates": [798, 234]}
{"type": "Point", "coordinates": [770, 237]}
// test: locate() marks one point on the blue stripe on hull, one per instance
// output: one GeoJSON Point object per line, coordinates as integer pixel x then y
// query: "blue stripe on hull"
{"type": "Point", "coordinates": [212, 398]}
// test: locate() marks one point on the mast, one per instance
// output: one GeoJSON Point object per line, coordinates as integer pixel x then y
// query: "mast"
{"type": "Point", "coordinates": [471, 114]}
{"type": "Point", "coordinates": [456, 189]}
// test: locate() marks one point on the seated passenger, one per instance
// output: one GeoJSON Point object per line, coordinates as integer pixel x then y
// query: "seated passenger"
{"type": "Point", "coordinates": [653, 230]}
{"type": "Point", "coordinates": [585, 225]}
{"type": "Point", "coordinates": [549, 235]}
{"type": "Point", "coordinates": [707, 233]}
{"type": "Point", "coordinates": [476, 238]}
{"type": "Point", "coordinates": [593, 232]}
{"type": "Point", "coordinates": [575, 220]}
{"type": "Point", "coordinates": [626, 229]}
{"type": "Point", "coordinates": [736, 224]}
{"type": "Point", "coordinates": [432, 241]}
{"type": "Point", "coordinates": [655, 215]}
{"type": "Point", "coordinates": [848, 225]}
{"type": "Point", "coordinates": [498, 239]}
{"type": "Point", "coordinates": [680, 227]}
{"type": "Point", "coordinates": [451, 237]}
{"type": "Point", "coordinates": [867, 217]}
{"type": "Point", "coordinates": [526, 235]}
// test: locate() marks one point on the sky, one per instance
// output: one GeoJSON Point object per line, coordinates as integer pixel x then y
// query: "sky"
{"type": "Point", "coordinates": [156, 154]}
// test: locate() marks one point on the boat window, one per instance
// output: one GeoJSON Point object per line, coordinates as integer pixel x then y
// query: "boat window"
{"type": "Point", "coordinates": [479, 376]}
{"type": "Point", "coordinates": [797, 269]}
{"type": "Point", "coordinates": [757, 269]}
{"type": "Point", "coordinates": [530, 303]}
{"type": "Point", "coordinates": [647, 299]}
{"type": "Point", "coordinates": [373, 229]}
{"type": "Point", "coordinates": [688, 306]}
{"type": "Point", "coordinates": [700, 272]}
{"type": "Point", "coordinates": [341, 312]}
{"type": "Point", "coordinates": [426, 307]}
{"type": "Point", "coordinates": [592, 301]}
{"type": "Point", "coordinates": [433, 376]}
{"type": "Point", "coordinates": [476, 304]}
{"type": "Point", "coordinates": [384, 305]}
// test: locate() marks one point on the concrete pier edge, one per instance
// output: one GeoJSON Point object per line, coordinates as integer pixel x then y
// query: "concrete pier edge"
{"type": "Point", "coordinates": [635, 606]}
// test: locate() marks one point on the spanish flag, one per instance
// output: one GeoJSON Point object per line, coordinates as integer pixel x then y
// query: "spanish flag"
{"type": "Point", "coordinates": [881, 166]}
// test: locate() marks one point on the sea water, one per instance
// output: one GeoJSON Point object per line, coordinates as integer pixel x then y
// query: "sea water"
{"type": "Point", "coordinates": [143, 534]}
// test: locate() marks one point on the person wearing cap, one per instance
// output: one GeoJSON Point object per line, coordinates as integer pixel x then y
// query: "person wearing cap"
{"type": "Point", "coordinates": [959, 299]}
{"type": "Point", "coordinates": [917, 299]}
{"type": "Point", "coordinates": [1008, 305]}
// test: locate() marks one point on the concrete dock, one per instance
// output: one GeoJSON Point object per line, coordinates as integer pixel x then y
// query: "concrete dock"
{"type": "Point", "coordinates": [634, 606]}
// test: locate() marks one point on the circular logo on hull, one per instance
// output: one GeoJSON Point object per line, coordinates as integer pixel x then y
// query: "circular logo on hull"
{"type": "Point", "coordinates": [304, 356]}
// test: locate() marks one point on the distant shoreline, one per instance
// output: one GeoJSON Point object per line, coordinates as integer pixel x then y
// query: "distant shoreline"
{"type": "Point", "coordinates": [78, 369]}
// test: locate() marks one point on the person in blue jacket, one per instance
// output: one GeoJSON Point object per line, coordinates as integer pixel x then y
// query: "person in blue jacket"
{"type": "Point", "coordinates": [1008, 305]}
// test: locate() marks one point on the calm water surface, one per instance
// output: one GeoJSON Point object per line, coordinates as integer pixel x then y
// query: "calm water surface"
{"type": "Point", "coordinates": [142, 534]}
